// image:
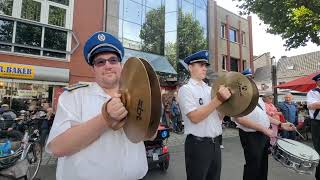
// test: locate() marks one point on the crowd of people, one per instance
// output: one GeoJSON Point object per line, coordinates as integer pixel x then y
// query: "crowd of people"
{"type": "Point", "coordinates": [13, 121]}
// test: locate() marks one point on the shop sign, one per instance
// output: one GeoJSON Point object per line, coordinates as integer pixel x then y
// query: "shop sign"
{"type": "Point", "coordinates": [27, 93]}
{"type": "Point", "coordinates": [16, 71]}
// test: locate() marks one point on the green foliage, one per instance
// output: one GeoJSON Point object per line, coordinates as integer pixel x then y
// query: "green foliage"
{"type": "Point", "coordinates": [296, 21]}
{"type": "Point", "coordinates": [152, 31]}
{"type": "Point", "coordinates": [190, 35]}
{"type": "Point", "coordinates": [6, 7]}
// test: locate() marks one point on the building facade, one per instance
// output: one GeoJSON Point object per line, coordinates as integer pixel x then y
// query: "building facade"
{"type": "Point", "coordinates": [41, 41]}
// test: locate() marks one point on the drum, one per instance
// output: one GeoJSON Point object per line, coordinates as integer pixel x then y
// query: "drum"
{"type": "Point", "coordinates": [295, 156]}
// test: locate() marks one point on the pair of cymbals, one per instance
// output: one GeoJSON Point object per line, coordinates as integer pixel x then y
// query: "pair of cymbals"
{"type": "Point", "coordinates": [244, 94]}
{"type": "Point", "coordinates": [140, 93]}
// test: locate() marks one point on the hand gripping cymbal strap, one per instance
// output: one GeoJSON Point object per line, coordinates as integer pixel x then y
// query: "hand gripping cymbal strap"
{"type": "Point", "coordinates": [107, 117]}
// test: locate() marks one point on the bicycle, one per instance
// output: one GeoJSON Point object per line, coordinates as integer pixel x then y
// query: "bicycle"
{"type": "Point", "coordinates": [29, 151]}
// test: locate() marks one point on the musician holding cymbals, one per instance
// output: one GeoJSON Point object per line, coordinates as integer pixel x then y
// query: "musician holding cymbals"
{"type": "Point", "coordinates": [202, 122]}
{"type": "Point", "coordinates": [88, 144]}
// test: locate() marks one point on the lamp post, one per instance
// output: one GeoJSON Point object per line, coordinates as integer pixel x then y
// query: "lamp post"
{"type": "Point", "coordinates": [274, 80]}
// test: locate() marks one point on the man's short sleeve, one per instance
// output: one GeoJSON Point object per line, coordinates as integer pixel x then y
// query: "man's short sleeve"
{"type": "Point", "coordinates": [68, 114]}
{"type": "Point", "coordinates": [313, 97]}
{"type": "Point", "coordinates": [186, 100]}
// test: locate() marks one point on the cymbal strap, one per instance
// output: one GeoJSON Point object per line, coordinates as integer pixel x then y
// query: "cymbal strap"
{"type": "Point", "coordinates": [107, 117]}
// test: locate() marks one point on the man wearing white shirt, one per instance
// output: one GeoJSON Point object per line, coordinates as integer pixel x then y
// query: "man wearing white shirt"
{"type": "Point", "coordinates": [88, 144]}
{"type": "Point", "coordinates": [255, 134]}
{"type": "Point", "coordinates": [313, 102]}
{"type": "Point", "coordinates": [202, 123]}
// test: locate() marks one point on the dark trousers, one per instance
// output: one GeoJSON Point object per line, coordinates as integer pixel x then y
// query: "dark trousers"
{"type": "Point", "coordinates": [202, 158]}
{"type": "Point", "coordinates": [315, 131]}
{"type": "Point", "coordinates": [255, 146]}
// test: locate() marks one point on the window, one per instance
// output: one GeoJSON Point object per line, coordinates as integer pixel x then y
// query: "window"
{"type": "Point", "coordinates": [224, 62]}
{"type": "Point", "coordinates": [222, 30]}
{"type": "Point", "coordinates": [233, 35]}
{"type": "Point", "coordinates": [57, 16]}
{"type": "Point", "coordinates": [64, 2]}
{"type": "Point", "coordinates": [244, 65]}
{"type": "Point", "coordinates": [55, 39]}
{"type": "Point", "coordinates": [234, 64]}
{"type": "Point", "coordinates": [41, 37]}
{"type": "Point", "coordinates": [31, 10]}
{"type": "Point", "coordinates": [6, 7]}
{"type": "Point", "coordinates": [290, 67]}
{"type": "Point", "coordinates": [243, 36]}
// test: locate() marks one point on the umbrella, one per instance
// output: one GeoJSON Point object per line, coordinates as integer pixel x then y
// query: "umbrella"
{"type": "Point", "coordinates": [303, 84]}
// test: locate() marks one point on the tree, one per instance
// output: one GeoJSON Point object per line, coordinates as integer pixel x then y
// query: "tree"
{"type": "Point", "coordinates": [190, 35]}
{"type": "Point", "coordinates": [152, 31]}
{"type": "Point", "coordinates": [296, 21]}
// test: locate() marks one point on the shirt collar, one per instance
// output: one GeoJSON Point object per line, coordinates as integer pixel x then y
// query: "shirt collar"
{"type": "Point", "coordinates": [195, 82]}
{"type": "Point", "coordinates": [96, 89]}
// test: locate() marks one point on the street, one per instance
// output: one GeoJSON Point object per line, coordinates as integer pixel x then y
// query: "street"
{"type": "Point", "coordinates": [232, 162]}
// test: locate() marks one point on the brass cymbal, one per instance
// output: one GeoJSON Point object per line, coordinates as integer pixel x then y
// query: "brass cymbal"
{"type": "Point", "coordinates": [241, 90]}
{"type": "Point", "coordinates": [155, 100]}
{"type": "Point", "coordinates": [136, 96]}
{"type": "Point", "coordinates": [254, 100]}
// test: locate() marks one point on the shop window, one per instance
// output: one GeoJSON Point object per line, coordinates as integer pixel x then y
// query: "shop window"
{"type": "Point", "coordinates": [31, 10]}
{"type": "Point", "coordinates": [57, 16]}
{"type": "Point", "coordinates": [64, 2]}
{"type": "Point", "coordinates": [6, 7]}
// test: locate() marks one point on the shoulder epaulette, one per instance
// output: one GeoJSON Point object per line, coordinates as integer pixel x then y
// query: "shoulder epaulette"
{"type": "Point", "coordinates": [75, 86]}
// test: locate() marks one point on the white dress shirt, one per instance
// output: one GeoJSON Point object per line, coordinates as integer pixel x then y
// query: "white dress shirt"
{"type": "Point", "coordinates": [313, 97]}
{"type": "Point", "coordinates": [258, 115]}
{"type": "Point", "coordinates": [111, 157]}
{"type": "Point", "coordinates": [191, 96]}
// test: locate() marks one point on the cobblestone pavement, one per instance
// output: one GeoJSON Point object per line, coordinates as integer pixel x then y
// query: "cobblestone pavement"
{"type": "Point", "coordinates": [174, 140]}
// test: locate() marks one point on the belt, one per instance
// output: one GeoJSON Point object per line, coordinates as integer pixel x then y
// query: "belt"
{"type": "Point", "coordinates": [208, 139]}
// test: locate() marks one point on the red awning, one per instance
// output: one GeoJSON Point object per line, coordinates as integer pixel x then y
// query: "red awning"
{"type": "Point", "coordinates": [303, 84]}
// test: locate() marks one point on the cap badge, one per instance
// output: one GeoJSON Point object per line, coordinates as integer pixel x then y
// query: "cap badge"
{"type": "Point", "coordinates": [101, 37]}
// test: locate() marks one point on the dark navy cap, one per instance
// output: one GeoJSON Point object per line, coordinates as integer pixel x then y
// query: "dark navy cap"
{"type": "Point", "coordinates": [247, 72]}
{"type": "Point", "coordinates": [200, 56]}
{"type": "Point", "coordinates": [102, 42]}
{"type": "Point", "coordinates": [316, 78]}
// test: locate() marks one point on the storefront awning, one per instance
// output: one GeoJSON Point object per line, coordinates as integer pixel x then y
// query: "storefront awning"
{"type": "Point", "coordinates": [159, 63]}
{"type": "Point", "coordinates": [22, 72]}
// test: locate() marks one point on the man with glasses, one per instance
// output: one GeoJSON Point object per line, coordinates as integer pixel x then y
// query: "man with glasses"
{"type": "Point", "coordinates": [313, 101]}
{"type": "Point", "coordinates": [202, 121]}
{"type": "Point", "coordinates": [89, 146]}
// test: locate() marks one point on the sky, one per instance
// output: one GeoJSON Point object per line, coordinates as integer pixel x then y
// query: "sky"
{"type": "Point", "coordinates": [264, 42]}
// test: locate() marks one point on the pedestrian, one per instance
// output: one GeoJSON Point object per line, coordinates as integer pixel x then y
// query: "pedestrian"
{"type": "Point", "coordinates": [289, 110]}
{"type": "Point", "coordinates": [175, 114]}
{"type": "Point", "coordinates": [255, 135]}
{"type": "Point", "coordinates": [273, 112]}
{"type": "Point", "coordinates": [313, 104]}
{"type": "Point", "coordinates": [202, 123]}
{"type": "Point", "coordinates": [89, 145]}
